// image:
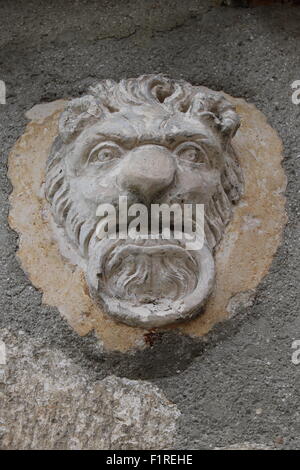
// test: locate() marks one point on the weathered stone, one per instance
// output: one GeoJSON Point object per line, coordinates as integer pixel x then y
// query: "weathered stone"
{"type": "Point", "coordinates": [245, 446]}
{"type": "Point", "coordinates": [152, 141]}
{"type": "Point", "coordinates": [48, 403]}
{"type": "Point", "coordinates": [242, 258]}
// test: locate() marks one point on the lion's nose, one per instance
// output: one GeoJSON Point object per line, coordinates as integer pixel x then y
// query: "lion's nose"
{"type": "Point", "coordinates": [147, 170]}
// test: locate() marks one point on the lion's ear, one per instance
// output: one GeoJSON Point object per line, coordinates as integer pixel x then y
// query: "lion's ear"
{"type": "Point", "coordinates": [230, 122]}
{"type": "Point", "coordinates": [216, 110]}
{"type": "Point", "coordinates": [77, 114]}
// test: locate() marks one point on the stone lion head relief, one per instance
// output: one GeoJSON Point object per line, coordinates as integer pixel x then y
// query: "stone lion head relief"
{"type": "Point", "coordinates": [153, 140]}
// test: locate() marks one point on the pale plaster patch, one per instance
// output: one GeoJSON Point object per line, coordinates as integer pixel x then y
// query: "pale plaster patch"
{"type": "Point", "coordinates": [243, 257]}
{"type": "Point", "coordinates": [39, 112]}
{"type": "Point", "coordinates": [240, 300]}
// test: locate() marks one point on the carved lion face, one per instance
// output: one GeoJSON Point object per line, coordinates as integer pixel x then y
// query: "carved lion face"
{"type": "Point", "coordinates": [153, 140]}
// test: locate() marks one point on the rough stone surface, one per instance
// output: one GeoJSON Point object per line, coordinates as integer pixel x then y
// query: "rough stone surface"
{"type": "Point", "coordinates": [245, 446]}
{"type": "Point", "coordinates": [48, 403]}
{"type": "Point", "coordinates": [57, 49]}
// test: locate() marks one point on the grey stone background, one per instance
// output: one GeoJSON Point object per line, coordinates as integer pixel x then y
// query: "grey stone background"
{"type": "Point", "coordinates": [240, 385]}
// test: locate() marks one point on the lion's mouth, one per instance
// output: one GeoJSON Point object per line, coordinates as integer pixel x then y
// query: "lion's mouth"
{"type": "Point", "coordinates": [149, 281]}
{"type": "Point", "coordinates": [148, 247]}
{"type": "Point", "coordinates": [148, 271]}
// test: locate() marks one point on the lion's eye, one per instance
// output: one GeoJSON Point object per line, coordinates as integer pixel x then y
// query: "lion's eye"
{"type": "Point", "coordinates": [191, 153]}
{"type": "Point", "coordinates": [105, 152]}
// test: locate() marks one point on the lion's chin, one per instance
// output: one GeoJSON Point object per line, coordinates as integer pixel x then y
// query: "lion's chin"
{"type": "Point", "coordinates": [150, 283]}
